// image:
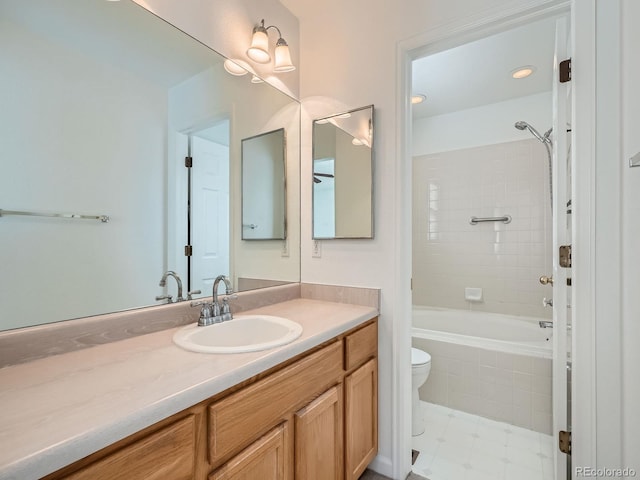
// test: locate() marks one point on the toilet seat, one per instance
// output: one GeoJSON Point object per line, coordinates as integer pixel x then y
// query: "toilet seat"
{"type": "Point", "coordinates": [419, 357]}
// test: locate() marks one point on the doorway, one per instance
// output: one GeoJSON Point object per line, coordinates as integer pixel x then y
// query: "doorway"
{"type": "Point", "coordinates": [472, 130]}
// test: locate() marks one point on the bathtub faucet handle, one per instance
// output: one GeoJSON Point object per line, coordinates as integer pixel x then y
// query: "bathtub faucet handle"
{"type": "Point", "coordinates": [547, 302]}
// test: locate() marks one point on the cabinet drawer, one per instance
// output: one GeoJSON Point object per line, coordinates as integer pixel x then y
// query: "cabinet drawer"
{"type": "Point", "coordinates": [242, 416]}
{"type": "Point", "coordinates": [360, 346]}
{"type": "Point", "coordinates": [167, 453]}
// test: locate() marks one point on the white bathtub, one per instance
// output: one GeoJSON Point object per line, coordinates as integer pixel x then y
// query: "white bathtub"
{"type": "Point", "coordinates": [497, 366]}
{"type": "Point", "coordinates": [491, 331]}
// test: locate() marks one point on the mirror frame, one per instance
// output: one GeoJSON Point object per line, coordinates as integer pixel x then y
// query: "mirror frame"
{"type": "Point", "coordinates": [372, 163]}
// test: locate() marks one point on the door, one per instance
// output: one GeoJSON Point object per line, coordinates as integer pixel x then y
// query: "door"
{"type": "Point", "coordinates": [561, 236]}
{"type": "Point", "coordinates": [318, 438]}
{"type": "Point", "coordinates": [209, 213]}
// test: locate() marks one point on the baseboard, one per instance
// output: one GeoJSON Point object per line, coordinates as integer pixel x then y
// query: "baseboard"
{"type": "Point", "coordinates": [382, 465]}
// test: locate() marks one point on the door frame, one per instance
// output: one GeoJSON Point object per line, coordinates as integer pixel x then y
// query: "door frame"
{"type": "Point", "coordinates": [583, 15]}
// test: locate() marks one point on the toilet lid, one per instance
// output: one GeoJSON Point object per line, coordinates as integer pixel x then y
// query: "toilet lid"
{"type": "Point", "coordinates": [419, 357]}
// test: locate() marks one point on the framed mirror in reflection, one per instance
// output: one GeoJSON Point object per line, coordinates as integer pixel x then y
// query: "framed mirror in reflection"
{"type": "Point", "coordinates": [264, 186]}
{"type": "Point", "coordinates": [104, 102]}
{"type": "Point", "coordinates": [343, 175]}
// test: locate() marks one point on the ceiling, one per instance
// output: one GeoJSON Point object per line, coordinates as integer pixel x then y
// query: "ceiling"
{"type": "Point", "coordinates": [479, 73]}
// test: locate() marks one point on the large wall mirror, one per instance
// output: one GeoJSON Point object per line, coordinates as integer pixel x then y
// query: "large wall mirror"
{"type": "Point", "coordinates": [102, 103]}
{"type": "Point", "coordinates": [343, 175]}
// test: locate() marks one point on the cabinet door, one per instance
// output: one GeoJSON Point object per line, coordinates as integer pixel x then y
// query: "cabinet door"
{"type": "Point", "coordinates": [361, 418]}
{"type": "Point", "coordinates": [266, 459]}
{"type": "Point", "coordinates": [318, 438]}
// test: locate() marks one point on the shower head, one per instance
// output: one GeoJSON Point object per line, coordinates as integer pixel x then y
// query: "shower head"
{"type": "Point", "coordinates": [525, 126]}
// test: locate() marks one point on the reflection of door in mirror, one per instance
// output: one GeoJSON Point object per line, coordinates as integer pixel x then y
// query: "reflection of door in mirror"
{"type": "Point", "coordinates": [209, 207]}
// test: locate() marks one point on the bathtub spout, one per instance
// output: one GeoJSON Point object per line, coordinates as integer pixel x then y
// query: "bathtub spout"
{"type": "Point", "coordinates": [545, 324]}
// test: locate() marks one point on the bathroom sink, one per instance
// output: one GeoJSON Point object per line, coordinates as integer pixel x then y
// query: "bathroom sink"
{"type": "Point", "coordinates": [244, 333]}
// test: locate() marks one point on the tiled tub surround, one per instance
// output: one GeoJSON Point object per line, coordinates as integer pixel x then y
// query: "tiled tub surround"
{"type": "Point", "coordinates": [56, 410]}
{"type": "Point", "coordinates": [486, 376]}
{"type": "Point", "coordinates": [505, 260]}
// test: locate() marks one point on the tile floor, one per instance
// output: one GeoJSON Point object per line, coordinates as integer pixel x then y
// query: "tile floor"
{"type": "Point", "coordinates": [460, 446]}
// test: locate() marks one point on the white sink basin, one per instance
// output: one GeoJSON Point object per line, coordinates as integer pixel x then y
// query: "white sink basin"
{"type": "Point", "coordinates": [245, 333]}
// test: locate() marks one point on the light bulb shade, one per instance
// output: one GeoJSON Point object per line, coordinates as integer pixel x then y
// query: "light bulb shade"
{"type": "Point", "coordinates": [259, 49]}
{"type": "Point", "coordinates": [283, 61]}
{"type": "Point", "coordinates": [236, 67]}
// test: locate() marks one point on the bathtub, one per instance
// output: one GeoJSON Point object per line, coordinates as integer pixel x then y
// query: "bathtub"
{"type": "Point", "coordinates": [492, 331]}
{"type": "Point", "coordinates": [493, 365]}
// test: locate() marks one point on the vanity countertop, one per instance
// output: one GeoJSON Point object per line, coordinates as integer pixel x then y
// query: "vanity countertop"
{"type": "Point", "coordinates": [59, 409]}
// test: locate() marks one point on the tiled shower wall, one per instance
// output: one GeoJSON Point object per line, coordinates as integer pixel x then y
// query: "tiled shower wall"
{"type": "Point", "coordinates": [505, 260]}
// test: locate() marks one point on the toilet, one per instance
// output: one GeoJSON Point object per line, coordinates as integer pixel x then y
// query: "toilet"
{"type": "Point", "coordinates": [420, 368]}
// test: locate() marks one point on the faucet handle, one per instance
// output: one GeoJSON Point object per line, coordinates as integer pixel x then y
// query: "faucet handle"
{"type": "Point", "coordinates": [193, 292]}
{"type": "Point", "coordinates": [165, 297]}
{"type": "Point", "coordinates": [226, 309]}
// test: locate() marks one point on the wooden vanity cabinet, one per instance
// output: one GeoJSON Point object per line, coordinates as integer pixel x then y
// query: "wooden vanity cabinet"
{"type": "Point", "coordinates": [314, 418]}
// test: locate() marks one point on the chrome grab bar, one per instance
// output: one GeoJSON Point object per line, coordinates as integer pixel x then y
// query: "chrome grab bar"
{"type": "Point", "coordinates": [476, 220]}
{"type": "Point", "coordinates": [102, 218]}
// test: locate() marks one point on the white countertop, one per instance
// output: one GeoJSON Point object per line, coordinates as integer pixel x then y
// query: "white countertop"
{"type": "Point", "coordinates": [59, 409]}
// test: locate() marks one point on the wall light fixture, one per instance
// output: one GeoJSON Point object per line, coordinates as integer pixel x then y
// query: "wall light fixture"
{"type": "Point", "coordinates": [259, 49]}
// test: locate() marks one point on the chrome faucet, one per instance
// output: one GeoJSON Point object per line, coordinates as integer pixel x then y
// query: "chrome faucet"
{"type": "Point", "coordinates": [163, 282]}
{"type": "Point", "coordinates": [545, 324]}
{"type": "Point", "coordinates": [214, 312]}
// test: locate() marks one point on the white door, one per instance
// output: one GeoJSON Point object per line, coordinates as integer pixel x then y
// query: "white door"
{"type": "Point", "coordinates": [209, 213]}
{"type": "Point", "coordinates": [561, 236]}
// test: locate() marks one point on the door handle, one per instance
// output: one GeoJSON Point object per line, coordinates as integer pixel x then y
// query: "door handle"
{"type": "Point", "coordinates": [544, 280]}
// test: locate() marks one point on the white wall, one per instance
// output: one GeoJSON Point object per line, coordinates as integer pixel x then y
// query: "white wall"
{"type": "Point", "coordinates": [505, 260]}
{"type": "Point", "coordinates": [631, 233]}
{"type": "Point", "coordinates": [486, 125]}
{"type": "Point", "coordinates": [114, 167]}
{"type": "Point", "coordinates": [351, 64]}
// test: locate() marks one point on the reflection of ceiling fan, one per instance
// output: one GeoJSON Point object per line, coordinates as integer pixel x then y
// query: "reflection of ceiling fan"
{"type": "Point", "coordinates": [316, 175]}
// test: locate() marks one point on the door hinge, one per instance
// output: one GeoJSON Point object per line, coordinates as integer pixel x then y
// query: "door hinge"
{"type": "Point", "coordinates": [188, 162]}
{"type": "Point", "coordinates": [564, 442]}
{"type": "Point", "coordinates": [565, 71]}
{"type": "Point", "coordinates": [565, 256]}
{"type": "Point", "coordinates": [188, 250]}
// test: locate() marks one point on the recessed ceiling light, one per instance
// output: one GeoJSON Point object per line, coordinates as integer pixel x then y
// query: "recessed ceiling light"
{"type": "Point", "coordinates": [418, 98]}
{"type": "Point", "coordinates": [523, 72]}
